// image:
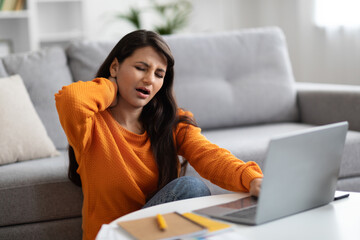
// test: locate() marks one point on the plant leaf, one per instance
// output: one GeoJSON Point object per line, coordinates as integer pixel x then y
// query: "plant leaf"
{"type": "Point", "coordinates": [133, 17]}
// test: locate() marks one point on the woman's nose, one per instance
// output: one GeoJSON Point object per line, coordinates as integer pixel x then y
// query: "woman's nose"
{"type": "Point", "coordinates": [148, 78]}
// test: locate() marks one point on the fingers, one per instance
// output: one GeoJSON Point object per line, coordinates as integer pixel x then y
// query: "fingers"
{"type": "Point", "coordinates": [255, 187]}
{"type": "Point", "coordinates": [112, 79]}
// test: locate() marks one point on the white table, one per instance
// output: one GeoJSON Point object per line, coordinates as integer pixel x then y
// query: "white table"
{"type": "Point", "coordinates": [339, 220]}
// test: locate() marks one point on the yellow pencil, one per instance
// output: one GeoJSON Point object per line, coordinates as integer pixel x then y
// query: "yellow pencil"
{"type": "Point", "coordinates": [161, 222]}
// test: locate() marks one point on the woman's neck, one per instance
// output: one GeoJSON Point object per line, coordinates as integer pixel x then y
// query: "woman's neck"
{"type": "Point", "coordinates": [128, 119]}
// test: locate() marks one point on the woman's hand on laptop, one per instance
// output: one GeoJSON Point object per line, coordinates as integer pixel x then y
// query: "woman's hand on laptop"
{"type": "Point", "coordinates": [255, 186]}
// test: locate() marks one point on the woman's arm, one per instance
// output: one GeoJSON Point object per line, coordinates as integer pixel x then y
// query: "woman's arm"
{"type": "Point", "coordinates": [217, 164]}
{"type": "Point", "coordinates": [77, 104]}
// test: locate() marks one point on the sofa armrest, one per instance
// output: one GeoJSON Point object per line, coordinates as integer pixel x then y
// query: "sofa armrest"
{"type": "Point", "coordinates": [328, 103]}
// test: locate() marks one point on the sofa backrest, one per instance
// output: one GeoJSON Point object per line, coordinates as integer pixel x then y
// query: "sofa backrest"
{"type": "Point", "coordinates": [226, 79]}
{"type": "Point", "coordinates": [85, 58]}
{"type": "Point", "coordinates": [234, 78]}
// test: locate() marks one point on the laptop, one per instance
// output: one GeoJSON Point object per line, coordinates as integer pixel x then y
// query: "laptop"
{"type": "Point", "coordinates": [300, 173]}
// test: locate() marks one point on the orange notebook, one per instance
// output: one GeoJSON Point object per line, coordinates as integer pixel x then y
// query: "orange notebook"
{"type": "Point", "coordinates": [178, 226]}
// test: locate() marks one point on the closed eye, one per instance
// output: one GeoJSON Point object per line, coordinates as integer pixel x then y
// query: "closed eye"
{"type": "Point", "coordinates": [140, 68]}
{"type": "Point", "coordinates": [159, 75]}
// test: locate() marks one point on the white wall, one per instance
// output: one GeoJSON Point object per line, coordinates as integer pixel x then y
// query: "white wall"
{"type": "Point", "coordinates": [317, 55]}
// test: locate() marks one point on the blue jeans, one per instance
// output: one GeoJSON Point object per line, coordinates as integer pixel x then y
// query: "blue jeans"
{"type": "Point", "coordinates": [178, 189]}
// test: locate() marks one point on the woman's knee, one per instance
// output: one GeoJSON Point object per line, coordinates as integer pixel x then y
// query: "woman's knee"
{"type": "Point", "coordinates": [189, 187]}
{"type": "Point", "coordinates": [179, 189]}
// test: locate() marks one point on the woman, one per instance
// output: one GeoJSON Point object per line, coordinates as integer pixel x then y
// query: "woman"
{"type": "Point", "coordinates": [126, 132]}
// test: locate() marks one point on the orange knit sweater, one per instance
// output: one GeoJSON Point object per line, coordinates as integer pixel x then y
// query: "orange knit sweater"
{"type": "Point", "coordinates": [117, 167]}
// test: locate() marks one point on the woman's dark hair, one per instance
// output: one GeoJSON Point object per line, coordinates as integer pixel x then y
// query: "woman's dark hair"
{"type": "Point", "coordinates": [159, 117]}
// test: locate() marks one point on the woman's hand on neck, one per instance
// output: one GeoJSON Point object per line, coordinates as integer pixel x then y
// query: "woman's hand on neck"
{"type": "Point", "coordinates": [114, 103]}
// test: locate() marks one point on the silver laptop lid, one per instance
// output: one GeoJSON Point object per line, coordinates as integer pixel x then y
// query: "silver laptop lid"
{"type": "Point", "coordinates": [301, 171]}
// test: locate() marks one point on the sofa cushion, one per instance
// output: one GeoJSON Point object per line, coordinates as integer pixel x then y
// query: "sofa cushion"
{"type": "Point", "coordinates": [350, 166]}
{"type": "Point", "coordinates": [250, 144]}
{"type": "Point", "coordinates": [38, 190]}
{"type": "Point", "coordinates": [234, 78]}
{"type": "Point", "coordinates": [64, 229]}
{"type": "Point", "coordinates": [44, 73]}
{"type": "Point", "coordinates": [349, 184]}
{"type": "Point", "coordinates": [85, 58]}
{"type": "Point", "coordinates": [23, 136]}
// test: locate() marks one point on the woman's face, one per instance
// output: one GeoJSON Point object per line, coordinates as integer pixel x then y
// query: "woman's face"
{"type": "Point", "coordinates": [139, 77]}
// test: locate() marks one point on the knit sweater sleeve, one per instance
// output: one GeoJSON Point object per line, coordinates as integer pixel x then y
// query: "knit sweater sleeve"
{"type": "Point", "coordinates": [77, 104]}
{"type": "Point", "coordinates": [216, 164]}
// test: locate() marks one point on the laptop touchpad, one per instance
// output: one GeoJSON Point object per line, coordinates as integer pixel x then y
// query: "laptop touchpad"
{"type": "Point", "coordinates": [241, 203]}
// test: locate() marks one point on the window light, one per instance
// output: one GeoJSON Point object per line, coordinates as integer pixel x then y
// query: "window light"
{"type": "Point", "coordinates": [337, 13]}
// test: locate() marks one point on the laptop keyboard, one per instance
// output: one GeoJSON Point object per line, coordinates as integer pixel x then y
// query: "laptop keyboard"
{"type": "Point", "coordinates": [244, 213]}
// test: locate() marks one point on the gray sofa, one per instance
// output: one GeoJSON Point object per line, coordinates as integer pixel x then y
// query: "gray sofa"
{"type": "Point", "coordinates": [239, 85]}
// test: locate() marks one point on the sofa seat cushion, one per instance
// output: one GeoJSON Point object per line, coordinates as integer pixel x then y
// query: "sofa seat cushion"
{"type": "Point", "coordinates": [44, 72]}
{"type": "Point", "coordinates": [38, 190]}
{"type": "Point", "coordinates": [249, 143]}
{"type": "Point", "coordinates": [63, 229]}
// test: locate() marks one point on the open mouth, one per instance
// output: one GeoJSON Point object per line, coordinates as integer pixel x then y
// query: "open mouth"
{"type": "Point", "coordinates": [143, 91]}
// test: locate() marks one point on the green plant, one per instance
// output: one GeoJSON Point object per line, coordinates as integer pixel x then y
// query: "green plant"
{"type": "Point", "coordinates": [133, 17]}
{"type": "Point", "coordinates": [173, 14]}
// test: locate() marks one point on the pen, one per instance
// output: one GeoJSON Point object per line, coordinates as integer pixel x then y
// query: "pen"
{"type": "Point", "coordinates": [341, 196]}
{"type": "Point", "coordinates": [161, 221]}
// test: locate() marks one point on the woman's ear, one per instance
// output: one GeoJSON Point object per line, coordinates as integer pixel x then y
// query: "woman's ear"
{"type": "Point", "coordinates": [114, 67]}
